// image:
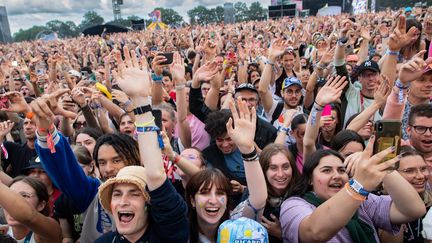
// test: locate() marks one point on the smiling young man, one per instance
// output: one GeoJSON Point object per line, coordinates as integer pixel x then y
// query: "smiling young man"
{"type": "Point", "coordinates": [126, 198]}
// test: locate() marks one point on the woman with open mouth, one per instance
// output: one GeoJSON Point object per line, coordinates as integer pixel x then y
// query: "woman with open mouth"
{"type": "Point", "coordinates": [330, 207]}
{"type": "Point", "coordinates": [207, 192]}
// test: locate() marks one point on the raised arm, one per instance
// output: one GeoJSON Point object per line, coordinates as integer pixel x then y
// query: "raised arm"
{"type": "Point", "coordinates": [196, 103]}
{"type": "Point", "coordinates": [328, 94]}
{"type": "Point", "coordinates": [45, 228]}
{"type": "Point", "coordinates": [243, 133]}
{"type": "Point", "coordinates": [56, 154]}
{"type": "Point", "coordinates": [178, 73]}
{"type": "Point", "coordinates": [340, 208]}
{"type": "Point", "coordinates": [276, 50]}
{"type": "Point", "coordinates": [380, 98]}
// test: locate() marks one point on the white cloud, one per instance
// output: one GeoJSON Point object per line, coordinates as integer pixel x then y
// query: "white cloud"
{"type": "Point", "coordinates": [26, 13]}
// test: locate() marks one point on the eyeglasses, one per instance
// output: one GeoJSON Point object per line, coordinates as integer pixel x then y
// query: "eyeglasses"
{"type": "Point", "coordinates": [290, 92]}
{"type": "Point", "coordinates": [422, 129]}
{"type": "Point", "coordinates": [411, 172]}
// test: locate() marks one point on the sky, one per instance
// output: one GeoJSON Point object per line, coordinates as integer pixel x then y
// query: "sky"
{"type": "Point", "coordinates": [26, 13]}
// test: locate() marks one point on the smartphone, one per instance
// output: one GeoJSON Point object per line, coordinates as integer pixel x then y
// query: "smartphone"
{"type": "Point", "coordinates": [168, 56]}
{"type": "Point", "coordinates": [388, 134]}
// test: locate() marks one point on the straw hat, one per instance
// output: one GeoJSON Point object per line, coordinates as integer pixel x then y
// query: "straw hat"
{"type": "Point", "coordinates": [127, 175]}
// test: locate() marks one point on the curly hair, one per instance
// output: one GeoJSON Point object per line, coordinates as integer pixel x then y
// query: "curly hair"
{"type": "Point", "coordinates": [215, 124]}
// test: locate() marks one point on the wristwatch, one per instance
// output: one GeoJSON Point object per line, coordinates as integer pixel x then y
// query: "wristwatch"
{"type": "Point", "coordinates": [356, 186]}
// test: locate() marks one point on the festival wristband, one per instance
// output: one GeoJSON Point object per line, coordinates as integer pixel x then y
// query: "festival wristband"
{"type": "Point", "coordinates": [356, 186]}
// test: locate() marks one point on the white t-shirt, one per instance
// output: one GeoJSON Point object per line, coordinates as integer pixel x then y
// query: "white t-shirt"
{"type": "Point", "coordinates": [357, 102]}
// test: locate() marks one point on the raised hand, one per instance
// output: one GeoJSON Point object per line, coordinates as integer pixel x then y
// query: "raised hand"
{"type": "Point", "coordinates": [277, 49]}
{"type": "Point", "coordinates": [365, 33]}
{"type": "Point", "coordinates": [243, 132]}
{"type": "Point", "coordinates": [167, 150]}
{"type": "Point", "coordinates": [78, 96]}
{"type": "Point", "coordinates": [16, 102]}
{"type": "Point", "coordinates": [331, 91]}
{"type": "Point", "coordinates": [134, 81]}
{"type": "Point", "coordinates": [46, 107]}
{"type": "Point", "coordinates": [5, 128]}
{"type": "Point", "coordinates": [400, 37]}
{"type": "Point", "coordinates": [207, 72]}
{"type": "Point", "coordinates": [327, 57]}
{"type": "Point", "coordinates": [383, 91]}
{"type": "Point", "coordinates": [177, 69]}
{"type": "Point", "coordinates": [413, 69]}
{"type": "Point", "coordinates": [371, 170]}
{"type": "Point", "coordinates": [156, 64]}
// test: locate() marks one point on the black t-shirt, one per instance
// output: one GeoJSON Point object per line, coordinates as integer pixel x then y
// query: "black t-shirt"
{"type": "Point", "coordinates": [19, 156]}
{"type": "Point", "coordinates": [64, 208]}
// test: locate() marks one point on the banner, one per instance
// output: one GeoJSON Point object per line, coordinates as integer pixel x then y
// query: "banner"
{"type": "Point", "coordinates": [373, 6]}
{"type": "Point", "coordinates": [359, 6]}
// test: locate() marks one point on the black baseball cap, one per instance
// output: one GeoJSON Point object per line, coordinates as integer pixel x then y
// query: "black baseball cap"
{"type": "Point", "coordinates": [369, 65]}
{"type": "Point", "coordinates": [34, 163]}
{"type": "Point", "coordinates": [246, 86]}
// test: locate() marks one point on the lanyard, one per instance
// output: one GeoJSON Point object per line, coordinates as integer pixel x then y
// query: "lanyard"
{"type": "Point", "coordinates": [28, 237]}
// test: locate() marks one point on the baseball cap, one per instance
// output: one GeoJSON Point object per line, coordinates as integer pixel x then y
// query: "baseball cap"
{"type": "Point", "coordinates": [369, 65]}
{"type": "Point", "coordinates": [291, 81]}
{"type": "Point", "coordinates": [408, 9]}
{"type": "Point", "coordinates": [246, 86]}
{"type": "Point", "coordinates": [75, 73]}
{"type": "Point", "coordinates": [34, 163]}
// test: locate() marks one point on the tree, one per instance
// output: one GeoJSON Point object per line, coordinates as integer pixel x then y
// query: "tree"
{"type": "Point", "coordinates": [63, 29]}
{"type": "Point", "coordinates": [256, 12]}
{"type": "Point", "coordinates": [28, 34]}
{"type": "Point", "coordinates": [89, 19]}
{"type": "Point", "coordinates": [201, 15]}
{"type": "Point", "coordinates": [241, 11]}
{"type": "Point", "coordinates": [170, 16]}
{"type": "Point", "coordinates": [218, 14]}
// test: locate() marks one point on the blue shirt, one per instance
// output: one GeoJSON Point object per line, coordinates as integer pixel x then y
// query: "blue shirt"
{"type": "Point", "coordinates": [234, 162]}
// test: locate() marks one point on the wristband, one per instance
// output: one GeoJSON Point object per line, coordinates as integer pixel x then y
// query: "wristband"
{"type": "Point", "coordinates": [285, 129]}
{"type": "Point", "coordinates": [318, 107]}
{"type": "Point", "coordinates": [392, 53]}
{"type": "Point", "coordinates": [400, 85]}
{"type": "Point", "coordinates": [142, 109]}
{"type": "Point", "coordinates": [180, 86]}
{"type": "Point", "coordinates": [145, 124]}
{"type": "Point", "coordinates": [353, 194]}
{"type": "Point", "coordinates": [156, 79]}
{"type": "Point", "coordinates": [176, 159]}
{"type": "Point", "coordinates": [141, 130]}
{"type": "Point", "coordinates": [356, 186]}
{"type": "Point", "coordinates": [251, 156]}
{"type": "Point", "coordinates": [269, 62]}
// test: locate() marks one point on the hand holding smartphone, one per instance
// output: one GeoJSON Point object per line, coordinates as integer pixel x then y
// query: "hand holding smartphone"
{"type": "Point", "coordinates": [388, 134]}
{"type": "Point", "coordinates": [169, 57]}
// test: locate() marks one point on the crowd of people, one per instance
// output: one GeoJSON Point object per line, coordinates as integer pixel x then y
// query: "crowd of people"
{"type": "Point", "coordinates": [249, 132]}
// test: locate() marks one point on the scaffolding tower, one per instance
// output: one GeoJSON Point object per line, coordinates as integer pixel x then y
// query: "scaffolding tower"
{"type": "Point", "coordinates": [116, 9]}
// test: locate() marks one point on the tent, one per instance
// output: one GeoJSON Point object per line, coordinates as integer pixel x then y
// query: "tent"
{"type": "Point", "coordinates": [98, 29]}
{"type": "Point", "coordinates": [157, 26]}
